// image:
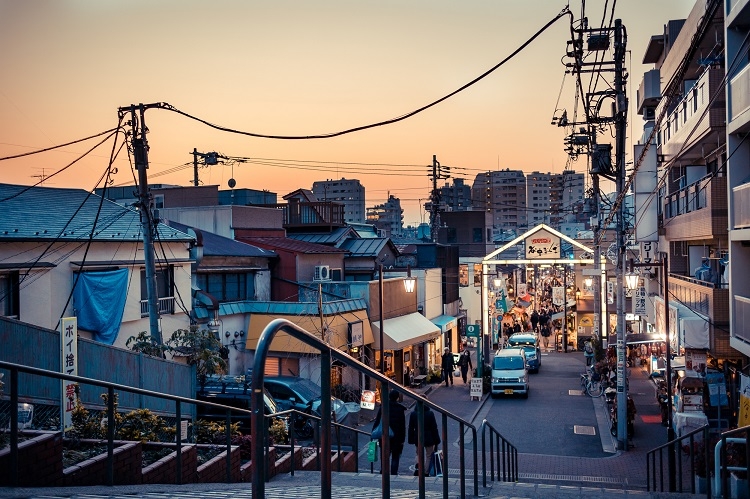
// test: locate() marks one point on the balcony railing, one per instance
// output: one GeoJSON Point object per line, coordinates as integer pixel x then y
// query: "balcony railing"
{"type": "Point", "coordinates": [311, 214]}
{"type": "Point", "coordinates": [166, 306]}
{"type": "Point", "coordinates": [690, 198]}
{"type": "Point", "coordinates": [697, 210]}
{"type": "Point", "coordinates": [706, 298]}
{"type": "Point", "coordinates": [741, 206]}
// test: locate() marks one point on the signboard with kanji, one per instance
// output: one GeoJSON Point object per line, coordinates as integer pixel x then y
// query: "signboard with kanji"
{"type": "Point", "coordinates": [368, 400]}
{"type": "Point", "coordinates": [69, 363]}
{"type": "Point", "coordinates": [639, 301]}
{"type": "Point", "coordinates": [542, 244]}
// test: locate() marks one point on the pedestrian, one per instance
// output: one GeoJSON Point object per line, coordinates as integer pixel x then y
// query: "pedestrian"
{"type": "Point", "coordinates": [464, 362]}
{"type": "Point", "coordinates": [545, 336]}
{"type": "Point", "coordinates": [588, 352]}
{"type": "Point", "coordinates": [397, 424]}
{"type": "Point", "coordinates": [534, 320]}
{"type": "Point", "coordinates": [448, 366]}
{"type": "Point", "coordinates": [431, 438]}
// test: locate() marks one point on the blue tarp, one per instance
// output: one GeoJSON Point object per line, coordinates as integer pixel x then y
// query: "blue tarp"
{"type": "Point", "coordinates": [99, 299]}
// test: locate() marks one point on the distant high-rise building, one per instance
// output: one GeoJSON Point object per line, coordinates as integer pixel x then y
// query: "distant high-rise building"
{"type": "Point", "coordinates": [502, 193]}
{"type": "Point", "coordinates": [538, 198]}
{"type": "Point", "coordinates": [388, 216]}
{"type": "Point", "coordinates": [455, 196]}
{"type": "Point", "coordinates": [567, 191]}
{"type": "Point", "coordinates": [349, 192]}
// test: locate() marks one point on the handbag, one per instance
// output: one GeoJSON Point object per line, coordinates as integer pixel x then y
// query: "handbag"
{"type": "Point", "coordinates": [377, 432]}
{"type": "Point", "coordinates": [372, 451]}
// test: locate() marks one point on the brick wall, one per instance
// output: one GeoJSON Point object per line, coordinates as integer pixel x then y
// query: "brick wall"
{"type": "Point", "coordinates": [128, 458]}
{"type": "Point", "coordinates": [165, 469]}
{"type": "Point", "coordinates": [214, 471]}
{"type": "Point", "coordinates": [39, 460]}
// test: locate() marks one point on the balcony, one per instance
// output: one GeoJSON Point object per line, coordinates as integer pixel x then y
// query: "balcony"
{"type": "Point", "coordinates": [686, 127]}
{"type": "Point", "coordinates": [649, 91]}
{"type": "Point", "coordinates": [711, 300]}
{"type": "Point", "coordinates": [166, 306]}
{"type": "Point", "coordinates": [741, 206]}
{"type": "Point", "coordinates": [697, 211]}
{"type": "Point", "coordinates": [738, 99]}
{"type": "Point", "coordinates": [311, 214]}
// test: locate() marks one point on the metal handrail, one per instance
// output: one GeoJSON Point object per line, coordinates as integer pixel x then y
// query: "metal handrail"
{"type": "Point", "coordinates": [327, 353]}
{"type": "Point", "coordinates": [674, 477]}
{"type": "Point", "coordinates": [506, 454]}
{"type": "Point", "coordinates": [15, 369]}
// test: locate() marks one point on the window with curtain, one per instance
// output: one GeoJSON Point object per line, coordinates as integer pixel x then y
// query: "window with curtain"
{"type": "Point", "coordinates": [227, 287]}
{"type": "Point", "coordinates": [9, 294]}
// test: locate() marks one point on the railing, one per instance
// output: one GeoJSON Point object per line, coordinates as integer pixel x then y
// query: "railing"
{"type": "Point", "coordinates": [736, 460]}
{"type": "Point", "coordinates": [679, 452]}
{"type": "Point", "coordinates": [231, 414]}
{"type": "Point", "coordinates": [501, 450]}
{"type": "Point", "coordinates": [690, 198]}
{"type": "Point", "coordinates": [327, 354]}
{"type": "Point", "coordinates": [166, 306]}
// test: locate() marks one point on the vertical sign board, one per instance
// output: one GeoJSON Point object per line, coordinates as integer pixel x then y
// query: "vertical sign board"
{"type": "Point", "coordinates": [557, 295]}
{"type": "Point", "coordinates": [717, 389]}
{"type": "Point", "coordinates": [610, 292]}
{"type": "Point", "coordinates": [639, 300]}
{"type": "Point", "coordinates": [68, 365]}
{"type": "Point", "coordinates": [475, 388]}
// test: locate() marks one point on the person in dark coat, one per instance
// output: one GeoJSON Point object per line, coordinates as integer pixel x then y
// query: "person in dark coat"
{"type": "Point", "coordinates": [534, 320]}
{"type": "Point", "coordinates": [464, 362]}
{"type": "Point", "coordinates": [396, 423]}
{"type": "Point", "coordinates": [431, 437]}
{"type": "Point", "coordinates": [448, 365]}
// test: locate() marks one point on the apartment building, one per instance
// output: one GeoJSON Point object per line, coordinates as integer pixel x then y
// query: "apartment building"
{"type": "Point", "coordinates": [455, 196]}
{"type": "Point", "coordinates": [388, 216]}
{"type": "Point", "coordinates": [348, 192]}
{"type": "Point", "coordinates": [736, 31]}
{"type": "Point", "coordinates": [538, 197]}
{"type": "Point", "coordinates": [503, 194]}
{"type": "Point", "coordinates": [683, 98]}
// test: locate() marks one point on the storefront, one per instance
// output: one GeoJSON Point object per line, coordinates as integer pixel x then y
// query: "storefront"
{"type": "Point", "coordinates": [402, 337]}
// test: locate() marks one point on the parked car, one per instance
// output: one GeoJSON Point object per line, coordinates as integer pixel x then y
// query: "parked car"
{"type": "Point", "coordinates": [530, 344]}
{"type": "Point", "coordinates": [233, 391]}
{"type": "Point", "coordinates": [510, 375]}
{"type": "Point", "coordinates": [294, 392]}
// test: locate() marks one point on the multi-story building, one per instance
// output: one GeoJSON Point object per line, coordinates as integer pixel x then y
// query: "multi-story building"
{"type": "Point", "coordinates": [737, 28]}
{"type": "Point", "coordinates": [455, 196]}
{"type": "Point", "coordinates": [388, 216]}
{"type": "Point", "coordinates": [566, 197]}
{"type": "Point", "coordinates": [348, 192]}
{"type": "Point", "coordinates": [538, 198]}
{"type": "Point", "coordinates": [689, 160]}
{"type": "Point", "coordinates": [503, 194]}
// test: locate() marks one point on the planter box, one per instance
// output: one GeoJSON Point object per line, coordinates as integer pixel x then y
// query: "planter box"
{"type": "Point", "coordinates": [39, 460]}
{"type": "Point", "coordinates": [128, 459]}
{"type": "Point", "coordinates": [738, 488]}
{"type": "Point", "coordinates": [165, 469]}
{"type": "Point", "coordinates": [214, 471]}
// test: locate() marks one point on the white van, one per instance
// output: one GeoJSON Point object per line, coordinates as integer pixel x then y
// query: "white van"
{"type": "Point", "coordinates": [510, 374]}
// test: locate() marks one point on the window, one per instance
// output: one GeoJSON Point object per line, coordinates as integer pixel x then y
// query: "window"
{"type": "Point", "coordinates": [451, 233]}
{"type": "Point", "coordinates": [477, 274]}
{"type": "Point", "coordinates": [463, 274]}
{"type": "Point", "coordinates": [164, 290]}
{"type": "Point", "coordinates": [227, 287]}
{"type": "Point", "coordinates": [476, 235]}
{"type": "Point", "coordinates": [9, 295]}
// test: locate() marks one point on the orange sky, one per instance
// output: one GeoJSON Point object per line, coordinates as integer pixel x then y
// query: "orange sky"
{"type": "Point", "coordinates": [297, 68]}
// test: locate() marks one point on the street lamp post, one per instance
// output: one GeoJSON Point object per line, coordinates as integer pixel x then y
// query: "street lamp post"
{"type": "Point", "coordinates": [632, 284]}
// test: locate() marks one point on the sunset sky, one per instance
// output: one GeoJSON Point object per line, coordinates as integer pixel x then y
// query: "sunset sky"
{"type": "Point", "coordinates": [298, 68]}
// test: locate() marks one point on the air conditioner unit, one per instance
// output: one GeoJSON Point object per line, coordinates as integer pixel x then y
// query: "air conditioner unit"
{"type": "Point", "coordinates": [322, 273]}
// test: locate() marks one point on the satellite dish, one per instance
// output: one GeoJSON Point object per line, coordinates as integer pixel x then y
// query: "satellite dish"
{"type": "Point", "coordinates": [232, 183]}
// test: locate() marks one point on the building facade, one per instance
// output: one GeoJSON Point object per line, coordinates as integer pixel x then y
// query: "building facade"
{"type": "Point", "coordinates": [349, 192]}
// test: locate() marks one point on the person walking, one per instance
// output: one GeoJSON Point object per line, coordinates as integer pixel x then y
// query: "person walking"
{"type": "Point", "coordinates": [464, 362]}
{"type": "Point", "coordinates": [397, 424]}
{"type": "Point", "coordinates": [534, 321]}
{"type": "Point", "coordinates": [588, 352]}
{"type": "Point", "coordinates": [431, 438]}
{"type": "Point", "coordinates": [448, 366]}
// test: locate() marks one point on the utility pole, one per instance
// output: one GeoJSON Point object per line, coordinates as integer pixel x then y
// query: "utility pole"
{"type": "Point", "coordinates": [621, 113]}
{"type": "Point", "coordinates": [140, 152]}
{"type": "Point", "coordinates": [438, 172]}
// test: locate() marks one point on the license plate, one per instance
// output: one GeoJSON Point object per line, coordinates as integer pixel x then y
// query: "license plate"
{"type": "Point", "coordinates": [509, 391]}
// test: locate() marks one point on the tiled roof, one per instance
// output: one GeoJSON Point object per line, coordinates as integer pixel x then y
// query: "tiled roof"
{"type": "Point", "coordinates": [216, 245]}
{"type": "Point", "coordinates": [292, 308]}
{"type": "Point", "coordinates": [42, 213]}
{"type": "Point", "coordinates": [285, 243]}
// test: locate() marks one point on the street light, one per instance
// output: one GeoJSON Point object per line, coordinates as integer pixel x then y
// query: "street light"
{"type": "Point", "coordinates": [631, 281]}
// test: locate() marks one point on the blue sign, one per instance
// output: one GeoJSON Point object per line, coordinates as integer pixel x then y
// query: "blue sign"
{"type": "Point", "coordinates": [472, 330]}
{"type": "Point", "coordinates": [717, 389]}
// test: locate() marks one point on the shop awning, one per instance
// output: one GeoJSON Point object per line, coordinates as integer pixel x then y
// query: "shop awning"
{"type": "Point", "coordinates": [336, 333]}
{"type": "Point", "coordinates": [400, 332]}
{"type": "Point", "coordinates": [638, 338]}
{"type": "Point", "coordinates": [445, 322]}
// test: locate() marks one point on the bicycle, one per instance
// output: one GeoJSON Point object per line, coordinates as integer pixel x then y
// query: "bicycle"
{"type": "Point", "coordinates": [592, 383]}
